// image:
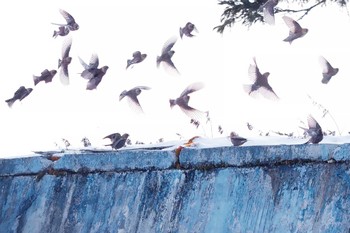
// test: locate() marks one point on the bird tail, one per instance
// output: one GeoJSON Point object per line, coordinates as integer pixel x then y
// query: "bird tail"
{"type": "Point", "coordinates": [181, 32]}
{"type": "Point", "coordinates": [55, 34]}
{"type": "Point", "coordinates": [128, 63]}
{"type": "Point", "coordinates": [172, 103]}
{"type": "Point", "coordinates": [10, 102]}
{"type": "Point", "coordinates": [36, 80]}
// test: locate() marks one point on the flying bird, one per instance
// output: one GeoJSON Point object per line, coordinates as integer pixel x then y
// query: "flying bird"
{"type": "Point", "coordinates": [46, 76]}
{"type": "Point", "coordinates": [187, 30]}
{"type": "Point", "coordinates": [183, 99]}
{"type": "Point", "coordinates": [237, 140]}
{"type": "Point", "coordinates": [137, 58]}
{"type": "Point", "coordinates": [92, 72]}
{"type": "Point", "coordinates": [268, 9]}
{"type": "Point", "coordinates": [117, 140]}
{"type": "Point", "coordinates": [20, 94]}
{"type": "Point", "coordinates": [295, 30]}
{"type": "Point", "coordinates": [62, 31]}
{"type": "Point", "coordinates": [71, 24]}
{"type": "Point", "coordinates": [314, 131]}
{"type": "Point", "coordinates": [167, 54]}
{"type": "Point", "coordinates": [132, 96]}
{"type": "Point", "coordinates": [327, 70]}
{"type": "Point", "coordinates": [260, 84]}
{"type": "Point", "coordinates": [65, 61]}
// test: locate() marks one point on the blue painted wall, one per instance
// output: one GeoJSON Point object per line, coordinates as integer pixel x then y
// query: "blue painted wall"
{"type": "Point", "coordinates": [298, 188]}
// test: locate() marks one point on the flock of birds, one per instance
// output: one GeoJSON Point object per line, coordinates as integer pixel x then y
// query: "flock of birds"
{"type": "Point", "coordinates": [94, 74]}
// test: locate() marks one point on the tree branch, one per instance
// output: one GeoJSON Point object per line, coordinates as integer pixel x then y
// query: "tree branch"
{"type": "Point", "coordinates": [306, 10]}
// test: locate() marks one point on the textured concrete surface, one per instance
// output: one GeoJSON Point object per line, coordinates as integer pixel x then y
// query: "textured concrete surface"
{"type": "Point", "coordinates": [287, 188]}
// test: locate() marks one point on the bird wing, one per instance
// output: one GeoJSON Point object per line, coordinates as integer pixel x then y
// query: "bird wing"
{"type": "Point", "coordinates": [253, 71]}
{"type": "Point", "coordinates": [169, 44]}
{"type": "Point", "coordinates": [326, 66]}
{"type": "Point", "coordinates": [312, 123]}
{"type": "Point", "coordinates": [67, 16]}
{"type": "Point", "coordinates": [66, 47]}
{"type": "Point", "coordinates": [192, 88]}
{"type": "Point", "coordinates": [293, 25]}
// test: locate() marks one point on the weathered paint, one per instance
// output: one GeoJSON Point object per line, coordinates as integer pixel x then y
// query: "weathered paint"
{"type": "Point", "coordinates": [287, 188]}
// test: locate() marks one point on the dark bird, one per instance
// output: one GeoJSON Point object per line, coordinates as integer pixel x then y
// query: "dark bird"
{"type": "Point", "coordinates": [71, 24]}
{"type": "Point", "coordinates": [260, 84]}
{"type": "Point", "coordinates": [65, 61]}
{"type": "Point", "coordinates": [268, 9]}
{"type": "Point", "coordinates": [62, 31]}
{"type": "Point", "coordinates": [132, 96]}
{"type": "Point", "coordinates": [92, 72]}
{"type": "Point", "coordinates": [237, 140]}
{"type": "Point", "coordinates": [295, 30]}
{"type": "Point", "coordinates": [188, 29]}
{"type": "Point", "coordinates": [118, 141]}
{"type": "Point", "coordinates": [167, 54]}
{"type": "Point", "coordinates": [113, 136]}
{"type": "Point", "coordinates": [314, 131]}
{"type": "Point", "coordinates": [20, 94]}
{"type": "Point", "coordinates": [327, 70]}
{"type": "Point", "coordinates": [46, 76]}
{"type": "Point", "coordinates": [137, 58]}
{"type": "Point", "coordinates": [183, 100]}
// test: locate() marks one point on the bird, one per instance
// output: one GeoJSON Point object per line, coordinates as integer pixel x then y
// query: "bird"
{"type": "Point", "coordinates": [92, 72]}
{"type": "Point", "coordinates": [132, 96]}
{"type": "Point", "coordinates": [269, 11]}
{"type": "Point", "coordinates": [137, 58]}
{"type": "Point", "coordinates": [314, 131]}
{"type": "Point", "coordinates": [62, 31]}
{"type": "Point", "coordinates": [183, 99]}
{"type": "Point", "coordinates": [260, 84]}
{"type": "Point", "coordinates": [117, 140]}
{"type": "Point", "coordinates": [295, 30]}
{"type": "Point", "coordinates": [46, 76]}
{"type": "Point", "coordinates": [20, 94]}
{"type": "Point", "coordinates": [167, 54]}
{"type": "Point", "coordinates": [237, 140]}
{"type": "Point", "coordinates": [65, 61]}
{"type": "Point", "coordinates": [187, 30]}
{"type": "Point", "coordinates": [71, 24]}
{"type": "Point", "coordinates": [327, 70]}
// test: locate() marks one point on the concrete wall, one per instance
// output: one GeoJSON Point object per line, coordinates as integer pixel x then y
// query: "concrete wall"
{"type": "Point", "coordinates": [287, 188]}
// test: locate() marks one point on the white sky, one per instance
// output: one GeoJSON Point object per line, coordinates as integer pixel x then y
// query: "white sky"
{"type": "Point", "coordinates": [115, 29]}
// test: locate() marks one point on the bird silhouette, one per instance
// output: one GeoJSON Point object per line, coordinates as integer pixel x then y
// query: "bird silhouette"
{"type": "Point", "coordinates": [65, 61]}
{"type": "Point", "coordinates": [71, 24]}
{"type": "Point", "coordinates": [314, 131]}
{"type": "Point", "coordinates": [132, 97]}
{"type": "Point", "coordinates": [187, 30]}
{"type": "Point", "coordinates": [261, 84]}
{"type": "Point", "coordinates": [327, 70]}
{"type": "Point", "coordinates": [237, 140]}
{"type": "Point", "coordinates": [137, 57]}
{"type": "Point", "coordinates": [167, 54]}
{"type": "Point", "coordinates": [295, 30]}
{"type": "Point", "coordinates": [46, 76]}
{"type": "Point", "coordinates": [20, 94]}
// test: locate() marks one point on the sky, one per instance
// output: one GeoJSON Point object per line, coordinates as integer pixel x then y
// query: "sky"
{"type": "Point", "coordinates": [114, 30]}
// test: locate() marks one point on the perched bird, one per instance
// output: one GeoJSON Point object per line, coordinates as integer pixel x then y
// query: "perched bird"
{"type": "Point", "coordinates": [71, 24]}
{"type": "Point", "coordinates": [183, 100]}
{"type": "Point", "coordinates": [268, 9]}
{"type": "Point", "coordinates": [237, 140]}
{"type": "Point", "coordinates": [137, 58]}
{"type": "Point", "coordinates": [117, 140]}
{"type": "Point", "coordinates": [260, 84]}
{"type": "Point", "coordinates": [62, 31]}
{"type": "Point", "coordinates": [46, 76]}
{"type": "Point", "coordinates": [132, 96]}
{"type": "Point", "coordinates": [113, 136]}
{"type": "Point", "coordinates": [295, 30]}
{"type": "Point", "coordinates": [20, 94]}
{"type": "Point", "coordinates": [187, 30]}
{"type": "Point", "coordinates": [314, 131]}
{"type": "Point", "coordinates": [327, 70]}
{"type": "Point", "coordinates": [65, 61]}
{"type": "Point", "coordinates": [167, 54]}
{"type": "Point", "coordinates": [92, 72]}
